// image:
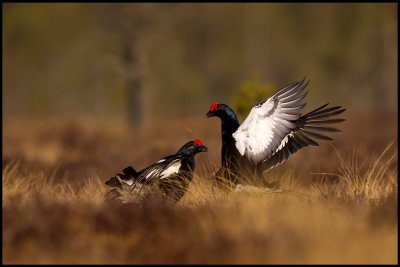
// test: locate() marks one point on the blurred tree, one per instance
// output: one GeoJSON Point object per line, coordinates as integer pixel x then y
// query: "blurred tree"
{"type": "Point", "coordinates": [251, 92]}
{"type": "Point", "coordinates": [122, 23]}
{"type": "Point", "coordinates": [157, 60]}
{"type": "Point", "coordinates": [383, 34]}
{"type": "Point", "coordinates": [136, 28]}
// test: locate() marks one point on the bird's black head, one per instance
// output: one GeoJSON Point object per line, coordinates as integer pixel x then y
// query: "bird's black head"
{"type": "Point", "coordinates": [222, 111]}
{"type": "Point", "coordinates": [192, 148]}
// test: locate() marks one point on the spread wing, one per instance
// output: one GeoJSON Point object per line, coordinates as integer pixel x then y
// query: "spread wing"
{"type": "Point", "coordinates": [269, 122]}
{"type": "Point", "coordinates": [310, 128]}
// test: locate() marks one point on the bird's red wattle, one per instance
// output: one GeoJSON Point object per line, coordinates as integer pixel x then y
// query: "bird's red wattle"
{"type": "Point", "coordinates": [198, 142]}
{"type": "Point", "coordinates": [213, 106]}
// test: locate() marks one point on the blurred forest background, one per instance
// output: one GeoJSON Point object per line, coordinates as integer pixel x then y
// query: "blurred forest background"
{"type": "Point", "coordinates": [84, 82]}
{"type": "Point", "coordinates": [89, 89]}
{"type": "Point", "coordinates": [176, 59]}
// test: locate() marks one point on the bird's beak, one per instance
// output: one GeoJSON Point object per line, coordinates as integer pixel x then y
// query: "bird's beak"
{"type": "Point", "coordinates": [209, 114]}
{"type": "Point", "coordinates": [203, 148]}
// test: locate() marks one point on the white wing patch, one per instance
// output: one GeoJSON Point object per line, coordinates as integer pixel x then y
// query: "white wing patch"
{"type": "Point", "coordinates": [172, 169]}
{"type": "Point", "coordinates": [161, 160]}
{"type": "Point", "coordinates": [267, 125]}
{"type": "Point", "coordinates": [128, 182]}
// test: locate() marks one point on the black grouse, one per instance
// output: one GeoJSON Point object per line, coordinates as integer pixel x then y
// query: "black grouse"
{"type": "Point", "coordinates": [271, 133]}
{"type": "Point", "coordinates": [171, 174]}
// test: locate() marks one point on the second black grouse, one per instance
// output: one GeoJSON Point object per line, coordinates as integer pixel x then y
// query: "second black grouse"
{"type": "Point", "coordinates": [172, 173]}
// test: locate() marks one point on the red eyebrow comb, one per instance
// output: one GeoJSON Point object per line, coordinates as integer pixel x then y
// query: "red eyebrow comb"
{"type": "Point", "coordinates": [213, 106]}
{"type": "Point", "coordinates": [198, 142]}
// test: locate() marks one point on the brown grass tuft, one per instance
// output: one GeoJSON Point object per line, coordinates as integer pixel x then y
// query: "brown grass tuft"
{"type": "Point", "coordinates": [374, 181]}
{"type": "Point", "coordinates": [54, 222]}
{"type": "Point", "coordinates": [54, 209]}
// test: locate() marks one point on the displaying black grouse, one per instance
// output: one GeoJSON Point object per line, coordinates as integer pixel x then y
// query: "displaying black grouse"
{"type": "Point", "coordinates": [172, 174]}
{"type": "Point", "coordinates": [271, 133]}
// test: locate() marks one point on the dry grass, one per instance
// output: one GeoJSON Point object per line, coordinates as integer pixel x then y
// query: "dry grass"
{"type": "Point", "coordinates": [374, 185]}
{"type": "Point", "coordinates": [51, 216]}
{"type": "Point", "coordinates": [46, 222]}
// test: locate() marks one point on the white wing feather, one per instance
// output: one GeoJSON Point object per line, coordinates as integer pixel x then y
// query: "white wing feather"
{"type": "Point", "coordinates": [172, 169]}
{"type": "Point", "coordinates": [268, 123]}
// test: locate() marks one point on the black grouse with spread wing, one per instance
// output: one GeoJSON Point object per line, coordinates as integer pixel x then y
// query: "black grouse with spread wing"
{"type": "Point", "coordinates": [172, 173]}
{"type": "Point", "coordinates": [271, 133]}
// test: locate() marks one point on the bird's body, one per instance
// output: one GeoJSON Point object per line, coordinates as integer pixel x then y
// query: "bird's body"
{"type": "Point", "coordinates": [272, 131]}
{"type": "Point", "coordinates": [171, 174]}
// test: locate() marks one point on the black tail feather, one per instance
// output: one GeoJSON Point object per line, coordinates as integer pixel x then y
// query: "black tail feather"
{"type": "Point", "coordinates": [325, 113]}
{"type": "Point", "coordinates": [129, 171]}
{"type": "Point", "coordinates": [310, 129]}
{"type": "Point", "coordinates": [114, 182]}
{"type": "Point", "coordinates": [317, 136]}
{"type": "Point", "coordinates": [313, 123]}
{"type": "Point", "coordinates": [319, 128]}
{"type": "Point", "coordinates": [319, 122]}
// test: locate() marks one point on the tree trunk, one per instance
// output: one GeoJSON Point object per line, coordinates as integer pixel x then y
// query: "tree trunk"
{"type": "Point", "coordinates": [133, 85]}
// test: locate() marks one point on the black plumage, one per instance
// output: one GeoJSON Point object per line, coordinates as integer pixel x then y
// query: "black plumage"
{"type": "Point", "coordinates": [171, 174]}
{"type": "Point", "coordinates": [271, 133]}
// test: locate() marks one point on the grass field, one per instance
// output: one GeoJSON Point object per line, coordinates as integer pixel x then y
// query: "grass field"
{"type": "Point", "coordinates": [338, 204]}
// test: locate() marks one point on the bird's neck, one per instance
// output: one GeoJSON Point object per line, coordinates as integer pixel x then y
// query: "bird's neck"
{"type": "Point", "coordinates": [189, 162]}
{"type": "Point", "coordinates": [229, 124]}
